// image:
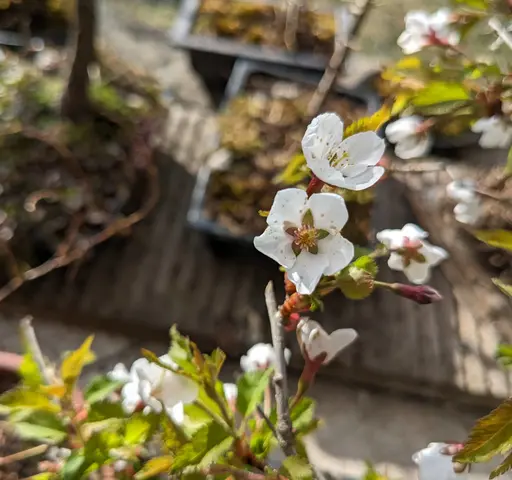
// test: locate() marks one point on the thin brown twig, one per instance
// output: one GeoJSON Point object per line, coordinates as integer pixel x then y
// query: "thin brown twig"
{"type": "Point", "coordinates": [79, 251]}
{"type": "Point", "coordinates": [264, 416]}
{"type": "Point", "coordinates": [30, 452]}
{"type": "Point", "coordinates": [284, 425]}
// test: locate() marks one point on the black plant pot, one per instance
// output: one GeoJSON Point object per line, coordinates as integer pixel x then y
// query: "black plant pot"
{"type": "Point", "coordinates": [222, 239]}
{"type": "Point", "coordinates": [213, 58]}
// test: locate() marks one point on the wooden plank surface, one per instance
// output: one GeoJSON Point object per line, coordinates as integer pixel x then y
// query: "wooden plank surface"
{"type": "Point", "coordinates": [167, 273]}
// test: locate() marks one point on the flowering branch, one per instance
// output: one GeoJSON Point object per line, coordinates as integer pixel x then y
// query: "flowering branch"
{"type": "Point", "coordinates": [284, 424]}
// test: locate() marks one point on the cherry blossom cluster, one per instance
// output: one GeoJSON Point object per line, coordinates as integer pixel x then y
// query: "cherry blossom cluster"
{"type": "Point", "coordinates": [411, 134]}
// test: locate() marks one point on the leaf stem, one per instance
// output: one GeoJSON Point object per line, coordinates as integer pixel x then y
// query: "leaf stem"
{"type": "Point", "coordinates": [30, 452]}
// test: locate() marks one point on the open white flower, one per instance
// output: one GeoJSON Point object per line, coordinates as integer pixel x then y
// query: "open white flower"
{"type": "Point", "coordinates": [411, 253]}
{"type": "Point", "coordinates": [316, 341]}
{"type": "Point", "coordinates": [156, 388]}
{"type": "Point", "coordinates": [496, 133]}
{"type": "Point", "coordinates": [435, 463]}
{"type": "Point", "coordinates": [303, 235]}
{"type": "Point", "coordinates": [423, 29]}
{"type": "Point", "coordinates": [260, 357]}
{"type": "Point", "coordinates": [468, 208]}
{"type": "Point", "coordinates": [349, 163]}
{"type": "Point", "coordinates": [410, 139]}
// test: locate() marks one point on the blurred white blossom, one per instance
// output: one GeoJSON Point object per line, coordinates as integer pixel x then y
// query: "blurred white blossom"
{"type": "Point", "coordinates": [496, 133]}
{"type": "Point", "coordinates": [411, 253]}
{"type": "Point", "coordinates": [410, 140]}
{"type": "Point", "coordinates": [468, 206]}
{"type": "Point", "coordinates": [260, 357]}
{"type": "Point", "coordinates": [435, 463]}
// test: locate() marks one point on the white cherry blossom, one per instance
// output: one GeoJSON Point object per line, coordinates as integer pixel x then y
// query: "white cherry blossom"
{"type": "Point", "coordinates": [260, 357]}
{"type": "Point", "coordinates": [411, 253]}
{"type": "Point", "coordinates": [303, 235]}
{"type": "Point", "coordinates": [316, 341]}
{"type": "Point", "coordinates": [155, 388]}
{"type": "Point", "coordinates": [435, 463]}
{"type": "Point", "coordinates": [468, 208]}
{"type": "Point", "coordinates": [410, 139]}
{"type": "Point", "coordinates": [349, 163]}
{"type": "Point", "coordinates": [423, 29]}
{"type": "Point", "coordinates": [496, 133]}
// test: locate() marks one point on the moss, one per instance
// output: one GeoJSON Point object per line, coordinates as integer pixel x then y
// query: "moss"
{"type": "Point", "coordinates": [261, 24]}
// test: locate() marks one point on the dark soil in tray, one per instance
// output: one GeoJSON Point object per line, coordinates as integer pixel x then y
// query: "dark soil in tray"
{"type": "Point", "coordinates": [264, 24]}
{"type": "Point", "coordinates": [263, 128]}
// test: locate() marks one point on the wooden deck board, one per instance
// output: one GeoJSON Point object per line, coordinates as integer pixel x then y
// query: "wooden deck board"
{"type": "Point", "coordinates": [167, 273]}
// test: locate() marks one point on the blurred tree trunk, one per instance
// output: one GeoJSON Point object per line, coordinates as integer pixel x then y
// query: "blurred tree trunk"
{"type": "Point", "coordinates": [75, 101]}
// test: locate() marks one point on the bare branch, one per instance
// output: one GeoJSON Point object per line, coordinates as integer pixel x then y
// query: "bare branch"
{"type": "Point", "coordinates": [284, 424]}
{"type": "Point", "coordinates": [337, 61]}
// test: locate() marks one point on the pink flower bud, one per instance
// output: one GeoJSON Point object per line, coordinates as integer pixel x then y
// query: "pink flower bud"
{"type": "Point", "coordinates": [422, 294]}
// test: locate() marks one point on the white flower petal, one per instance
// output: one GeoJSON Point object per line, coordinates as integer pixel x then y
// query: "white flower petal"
{"type": "Point", "coordinates": [410, 43]}
{"type": "Point", "coordinates": [329, 211]}
{"type": "Point", "coordinates": [461, 190]}
{"type": "Point", "coordinates": [433, 254]}
{"type": "Point", "coordinates": [339, 252]}
{"type": "Point", "coordinates": [139, 365]}
{"type": "Point", "coordinates": [403, 128]}
{"type": "Point", "coordinates": [396, 262]}
{"type": "Point", "coordinates": [361, 182]}
{"type": "Point", "coordinates": [418, 273]}
{"type": "Point", "coordinates": [177, 413]}
{"type": "Point", "coordinates": [119, 373]}
{"type": "Point", "coordinates": [288, 206]}
{"type": "Point", "coordinates": [417, 21]}
{"type": "Point", "coordinates": [339, 340]}
{"type": "Point", "coordinates": [317, 342]}
{"type": "Point", "coordinates": [468, 212]}
{"type": "Point", "coordinates": [177, 389]}
{"type": "Point", "coordinates": [414, 146]}
{"type": "Point", "coordinates": [364, 148]}
{"type": "Point", "coordinates": [323, 135]}
{"type": "Point", "coordinates": [259, 356]}
{"type": "Point", "coordinates": [391, 238]}
{"type": "Point", "coordinates": [413, 232]}
{"type": "Point", "coordinates": [307, 271]}
{"type": "Point", "coordinates": [483, 124]}
{"type": "Point", "coordinates": [433, 465]}
{"type": "Point", "coordinates": [230, 391]}
{"type": "Point", "coordinates": [276, 244]}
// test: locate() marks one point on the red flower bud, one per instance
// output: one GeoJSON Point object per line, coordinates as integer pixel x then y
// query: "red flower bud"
{"type": "Point", "coordinates": [422, 294]}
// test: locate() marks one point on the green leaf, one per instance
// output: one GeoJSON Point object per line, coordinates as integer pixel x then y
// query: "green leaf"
{"type": "Point", "coordinates": [303, 416]}
{"type": "Point", "coordinates": [43, 476]}
{"type": "Point", "coordinates": [473, 4]}
{"type": "Point", "coordinates": [75, 361]}
{"type": "Point", "coordinates": [295, 172]}
{"type": "Point", "coordinates": [154, 467]}
{"type": "Point", "coordinates": [298, 468]}
{"type": "Point", "coordinates": [444, 108]}
{"type": "Point", "coordinates": [506, 289]}
{"type": "Point", "coordinates": [372, 474]}
{"type": "Point", "coordinates": [104, 410]}
{"type": "Point", "coordinates": [140, 428]}
{"type": "Point", "coordinates": [29, 371]}
{"type": "Point", "coordinates": [503, 468]}
{"type": "Point", "coordinates": [508, 166]}
{"type": "Point", "coordinates": [74, 467]}
{"type": "Point", "coordinates": [262, 443]}
{"type": "Point", "coordinates": [440, 92]}
{"type": "Point", "coordinates": [100, 388]}
{"type": "Point", "coordinates": [368, 124]}
{"type": "Point", "coordinates": [504, 354]}
{"type": "Point", "coordinates": [24, 398]}
{"type": "Point", "coordinates": [496, 238]}
{"type": "Point", "coordinates": [491, 435]}
{"type": "Point", "coordinates": [251, 387]}
{"type": "Point", "coordinates": [39, 425]}
{"type": "Point", "coordinates": [367, 264]}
